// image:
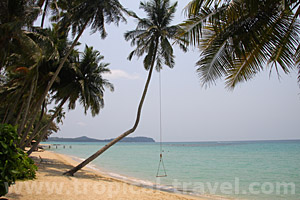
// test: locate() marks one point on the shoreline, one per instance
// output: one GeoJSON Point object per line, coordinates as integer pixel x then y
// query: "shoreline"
{"type": "Point", "coordinates": [87, 183]}
{"type": "Point", "coordinates": [142, 183]}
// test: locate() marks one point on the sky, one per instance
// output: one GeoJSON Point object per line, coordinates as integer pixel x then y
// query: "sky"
{"type": "Point", "coordinates": [264, 108]}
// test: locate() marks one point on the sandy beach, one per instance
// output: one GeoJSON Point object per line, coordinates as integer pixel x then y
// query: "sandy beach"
{"type": "Point", "coordinates": [86, 184]}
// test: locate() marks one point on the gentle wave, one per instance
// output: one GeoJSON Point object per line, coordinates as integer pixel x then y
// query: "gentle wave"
{"type": "Point", "coordinates": [205, 162]}
{"type": "Point", "coordinates": [142, 183]}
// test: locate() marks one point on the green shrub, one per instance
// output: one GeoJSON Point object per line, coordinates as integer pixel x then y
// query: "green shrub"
{"type": "Point", "coordinates": [14, 163]}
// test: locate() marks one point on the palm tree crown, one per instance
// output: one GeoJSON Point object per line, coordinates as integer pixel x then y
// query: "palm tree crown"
{"type": "Point", "coordinates": [94, 13]}
{"type": "Point", "coordinates": [154, 32]}
{"type": "Point", "coordinates": [84, 82]}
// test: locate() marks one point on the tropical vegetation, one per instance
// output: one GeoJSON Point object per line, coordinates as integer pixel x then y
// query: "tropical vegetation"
{"type": "Point", "coordinates": [240, 38]}
{"type": "Point", "coordinates": [42, 70]}
{"type": "Point", "coordinates": [40, 67]}
{"type": "Point", "coordinates": [14, 163]}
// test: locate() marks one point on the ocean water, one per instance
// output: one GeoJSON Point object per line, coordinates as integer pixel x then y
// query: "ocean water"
{"type": "Point", "coordinates": [239, 170]}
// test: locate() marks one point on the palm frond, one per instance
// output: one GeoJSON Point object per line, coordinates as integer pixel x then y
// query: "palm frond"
{"type": "Point", "coordinates": [153, 34]}
{"type": "Point", "coordinates": [214, 60]}
{"type": "Point", "coordinates": [192, 27]}
{"type": "Point", "coordinates": [238, 38]}
{"type": "Point", "coordinates": [287, 40]}
{"type": "Point", "coordinates": [167, 52]}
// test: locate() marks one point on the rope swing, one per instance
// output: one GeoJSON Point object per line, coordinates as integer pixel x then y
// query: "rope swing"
{"type": "Point", "coordinates": [161, 170]}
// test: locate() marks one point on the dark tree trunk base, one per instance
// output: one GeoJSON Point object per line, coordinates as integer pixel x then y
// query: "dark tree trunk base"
{"type": "Point", "coordinates": [68, 173]}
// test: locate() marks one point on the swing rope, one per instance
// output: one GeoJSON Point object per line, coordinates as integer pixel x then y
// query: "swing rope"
{"type": "Point", "coordinates": [160, 118]}
{"type": "Point", "coordinates": [161, 162]}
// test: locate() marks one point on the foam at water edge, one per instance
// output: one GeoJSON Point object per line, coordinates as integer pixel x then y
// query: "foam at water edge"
{"type": "Point", "coordinates": [145, 183]}
{"type": "Point", "coordinates": [131, 180]}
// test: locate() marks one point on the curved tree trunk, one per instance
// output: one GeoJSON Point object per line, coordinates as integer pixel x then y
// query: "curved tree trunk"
{"type": "Point", "coordinates": [12, 109]}
{"type": "Point", "coordinates": [5, 116]}
{"type": "Point", "coordinates": [22, 125]}
{"type": "Point", "coordinates": [72, 171]}
{"type": "Point", "coordinates": [43, 109]}
{"type": "Point", "coordinates": [35, 132]}
{"type": "Point", "coordinates": [45, 128]}
{"type": "Point", "coordinates": [44, 13]}
{"type": "Point", "coordinates": [41, 100]}
{"type": "Point", "coordinates": [19, 114]}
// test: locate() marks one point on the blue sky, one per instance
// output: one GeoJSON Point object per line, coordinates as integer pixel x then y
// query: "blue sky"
{"type": "Point", "coordinates": [263, 108]}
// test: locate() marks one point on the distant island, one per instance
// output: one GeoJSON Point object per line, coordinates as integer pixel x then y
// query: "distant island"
{"type": "Point", "coordinates": [87, 139]}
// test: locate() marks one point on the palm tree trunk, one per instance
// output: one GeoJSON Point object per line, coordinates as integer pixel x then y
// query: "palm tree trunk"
{"type": "Point", "coordinates": [38, 128]}
{"type": "Point", "coordinates": [72, 171]}
{"type": "Point", "coordinates": [31, 117]}
{"type": "Point", "coordinates": [43, 109]}
{"type": "Point", "coordinates": [19, 114]}
{"type": "Point", "coordinates": [61, 65]}
{"type": "Point", "coordinates": [13, 108]}
{"type": "Point", "coordinates": [41, 100]}
{"type": "Point", "coordinates": [22, 125]}
{"type": "Point", "coordinates": [45, 128]}
{"type": "Point", "coordinates": [5, 115]}
{"type": "Point", "coordinates": [44, 13]}
{"type": "Point", "coordinates": [23, 143]}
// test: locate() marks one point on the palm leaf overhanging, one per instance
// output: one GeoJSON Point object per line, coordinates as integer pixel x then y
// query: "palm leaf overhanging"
{"type": "Point", "coordinates": [238, 38]}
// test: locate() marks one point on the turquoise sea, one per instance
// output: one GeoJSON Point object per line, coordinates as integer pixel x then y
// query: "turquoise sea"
{"type": "Point", "coordinates": [238, 170]}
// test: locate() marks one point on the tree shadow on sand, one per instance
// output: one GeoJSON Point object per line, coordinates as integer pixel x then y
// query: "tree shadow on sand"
{"type": "Point", "coordinates": [55, 167]}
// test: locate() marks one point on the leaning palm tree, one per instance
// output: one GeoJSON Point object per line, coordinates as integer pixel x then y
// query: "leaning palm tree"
{"type": "Point", "coordinates": [22, 70]}
{"type": "Point", "coordinates": [238, 38]}
{"type": "Point", "coordinates": [151, 37]}
{"type": "Point", "coordinates": [83, 82]}
{"type": "Point", "coordinates": [79, 15]}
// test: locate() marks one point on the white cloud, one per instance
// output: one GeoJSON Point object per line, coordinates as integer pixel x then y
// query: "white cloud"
{"type": "Point", "coordinates": [120, 74]}
{"type": "Point", "coordinates": [81, 124]}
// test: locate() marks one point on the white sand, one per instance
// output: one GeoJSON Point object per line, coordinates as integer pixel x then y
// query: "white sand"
{"type": "Point", "coordinates": [86, 184]}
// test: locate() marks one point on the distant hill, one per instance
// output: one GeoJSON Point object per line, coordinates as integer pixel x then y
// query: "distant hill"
{"type": "Point", "coordinates": [87, 139]}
